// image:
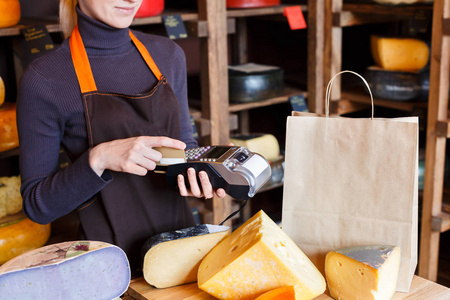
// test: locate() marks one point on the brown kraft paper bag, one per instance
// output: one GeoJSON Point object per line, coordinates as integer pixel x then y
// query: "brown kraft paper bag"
{"type": "Point", "coordinates": [352, 182]}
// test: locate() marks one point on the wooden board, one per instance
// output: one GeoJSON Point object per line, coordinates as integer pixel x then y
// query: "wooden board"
{"type": "Point", "coordinates": [140, 290]}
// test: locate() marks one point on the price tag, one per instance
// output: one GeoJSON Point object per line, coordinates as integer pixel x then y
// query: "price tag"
{"type": "Point", "coordinates": [298, 103]}
{"type": "Point", "coordinates": [194, 128]}
{"type": "Point", "coordinates": [37, 41]}
{"type": "Point", "coordinates": [295, 17]}
{"type": "Point", "coordinates": [174, 27]}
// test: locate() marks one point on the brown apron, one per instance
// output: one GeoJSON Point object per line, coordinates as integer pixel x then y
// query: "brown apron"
{"type": "Point", "coordinates": [131, 208]}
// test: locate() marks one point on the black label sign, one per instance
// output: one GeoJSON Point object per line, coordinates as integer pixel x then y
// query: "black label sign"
{"type": "Point", "coordinates": [174, 27]}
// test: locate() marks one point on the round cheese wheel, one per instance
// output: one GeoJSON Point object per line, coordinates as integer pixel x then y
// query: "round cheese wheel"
{"type": "Point", "coordinates": [9, 13]}
{"type": "Point", "coordinates": [19, 234]}
{"type": "Point", "coordinates": [9, 138]}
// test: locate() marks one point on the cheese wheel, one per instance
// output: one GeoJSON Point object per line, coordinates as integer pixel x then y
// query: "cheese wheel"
{"type": "Point", "coordinates": [69, 270]}
{"type": "Point", "coordinates": [172, 258]}
{"type": "Point", "coordinates": [256, 258]}
{"type": "Point", "coordinates": [263, 144]}
{"type": "Point", "coordinates": [367, 272]}
{"type": "Point", "coordinates": [399, 54]}
{"type": "Point", "coordinates": [19, 234]}
{"type": "Point", "coordinates": [2, 91]}
{"type": "Point", "coordinates": [10, 197]}
{"type": "Point", "coordinates": [9, 138]}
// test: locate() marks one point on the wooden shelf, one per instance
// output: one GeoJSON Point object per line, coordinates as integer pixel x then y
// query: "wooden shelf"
{"type": "Point", "coordinates": [235, 107]}
{"type": "Point", "coordinates": [360, 14]}
{"type": "Point", "coordinates": [9, 153]}
{"type": "Point", "coordinates": [351, 97]}
{"type": "Point", "coordinates": [262, 11]}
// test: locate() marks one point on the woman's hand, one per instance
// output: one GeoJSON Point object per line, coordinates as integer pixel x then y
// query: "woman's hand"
{"type": "Point", "coordinates": [205, 188]}
{"type": "Point", "coordinates": [132, 155]}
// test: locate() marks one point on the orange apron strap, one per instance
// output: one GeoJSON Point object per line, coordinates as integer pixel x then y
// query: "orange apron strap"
{"type": "Point", "coordinates": [81, 63]}
{"type": "Point", "coordinates": [146, 56]}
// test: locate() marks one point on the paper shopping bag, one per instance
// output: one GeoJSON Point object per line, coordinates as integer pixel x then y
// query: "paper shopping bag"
{"type": "Point", "coordinates": [351, 182]}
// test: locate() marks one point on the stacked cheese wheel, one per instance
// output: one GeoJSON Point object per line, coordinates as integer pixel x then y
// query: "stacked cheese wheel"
{"type": "Point", "coordinates": [399, 61]}
{"type": "Point", "coordinates": [18, 234]}
{"type": "Point", "coordinates": [9, 137]}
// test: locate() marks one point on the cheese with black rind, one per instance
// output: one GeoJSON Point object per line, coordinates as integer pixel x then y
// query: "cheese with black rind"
{"type": "Point", "coordinates": [68, 270]}
{"type": "Point", "coordinates": [172, 258]}
{"type": "Point", "coordinates": [363, 272]}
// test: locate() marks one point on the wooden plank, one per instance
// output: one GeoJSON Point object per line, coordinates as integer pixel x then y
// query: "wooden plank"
{"type": "Point", "coordinates": [441, 222]}
{"type": "Point", "coordinates": [379, 9]}
{"type": "Point", "coordinates": [260, 11]}
{"type": "Point", "coordinates": [349, 18]}
{"type": "Point", "coordinates": [316, 63]}
{"type": "Point", "coordinates": [214, 73]}
{"type": "Point", "coordinates": [289, 91]}
{"type": "Point", "coordinates": [363, 97]}
{"type": "Point", "coordinates": [435, 145]}
{"type": "Point", "coordinates": [139, 289]}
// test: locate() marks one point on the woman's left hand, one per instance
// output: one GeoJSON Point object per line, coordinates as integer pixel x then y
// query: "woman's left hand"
{"type": "Point", "coordinates": [205, 188]}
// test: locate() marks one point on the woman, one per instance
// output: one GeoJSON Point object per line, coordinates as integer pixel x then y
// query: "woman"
{"type": "Point", "coordinates": [108, 95]}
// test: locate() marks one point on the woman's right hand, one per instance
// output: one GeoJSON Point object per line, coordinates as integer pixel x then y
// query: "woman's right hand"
{"type": "Point", "coordinates": [132, 155]}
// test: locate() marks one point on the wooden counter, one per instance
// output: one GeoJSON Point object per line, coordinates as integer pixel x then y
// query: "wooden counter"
{"type": "Point", "coordinates": [139, 290]}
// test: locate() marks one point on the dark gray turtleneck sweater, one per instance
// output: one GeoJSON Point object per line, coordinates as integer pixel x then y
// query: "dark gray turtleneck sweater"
{"type": "Point", "coordinates": [50, 112]}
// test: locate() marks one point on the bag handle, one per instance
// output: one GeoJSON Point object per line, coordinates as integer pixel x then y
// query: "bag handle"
{"type": "Point", "coordinates": [330, 84]}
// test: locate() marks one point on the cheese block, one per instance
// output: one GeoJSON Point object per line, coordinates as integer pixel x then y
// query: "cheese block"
{"type": "Point", "coordinates": [263, 144]}
{"type": "Point", "coordinates": [281, 293]}
{"type": "Point", "coordinates": [399, 54]}
{"type": "Point", "coordinates": [172, 258]}
{"type": "Point", "coordinates": [19, 234]}
{"type": "Point", "coordinates": [366, 272]}
{"type": "Point", "coordinates": [10, 197]}
{"type": "Point", "coordinates": [9, 137]}
{"type": "Point", "coordinates": [69, 270]}
{"type": "Point", "coordinates": [256, 258]}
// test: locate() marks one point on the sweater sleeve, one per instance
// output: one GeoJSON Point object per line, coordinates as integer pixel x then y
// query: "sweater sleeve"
{"type": "Point", "coordinates": [48, 192]}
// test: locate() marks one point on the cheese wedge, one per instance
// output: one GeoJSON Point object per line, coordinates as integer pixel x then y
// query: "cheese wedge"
{"type": "Point", "coordinates": [258, 257]}
{"type": "Point", "coordinates": [68, 270]}
{"type": "Point", "coordinates": [366, 272]}
{"type": "Point", "coordinates": [172, 258]}
{"type": "Point", "coordinates": [281, 293]}
{"type": "Point", "coordinates": [399, 54]}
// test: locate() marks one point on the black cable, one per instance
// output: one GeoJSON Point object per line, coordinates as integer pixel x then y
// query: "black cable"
{"type": "Point", "coordinates": [234, 213]}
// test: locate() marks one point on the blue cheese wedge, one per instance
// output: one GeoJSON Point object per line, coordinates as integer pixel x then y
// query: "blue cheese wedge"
{"type": "Point", "coordinates": [172, 258]}
{"type": "Point", "coordinates": [366, 272]}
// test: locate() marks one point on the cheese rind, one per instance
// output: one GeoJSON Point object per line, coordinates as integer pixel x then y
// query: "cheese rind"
{"type": "Point", "coordinates": [69, 270]}
{"type": "Point", "coordinates": [366, 272]}
{"type": "Point", "coordinates": [172, 258]}
{"type": "Point", "coordinates": [257, 257]}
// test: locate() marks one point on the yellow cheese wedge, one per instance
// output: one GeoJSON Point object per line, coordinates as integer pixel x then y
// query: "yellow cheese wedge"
{"type": "Point", "coordinates": [172, 258]}
{"type": "Point", "coordinates": [366, 272]}
{"type": "Point", "coordinates": [258, 257]}
{"type": "Point", "coordinates": [399, 54]}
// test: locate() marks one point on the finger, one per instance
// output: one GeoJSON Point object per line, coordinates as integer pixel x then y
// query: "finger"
{"type": "Point", "coordinates": [163, 141]}
{"type": "Point", "coordinates": [194, 187]}
{"type": "Point", "coordinates": [206, 184]}
{"type": "Point", "coordinates": [182, 186]}
{"type": "Point", "coordinates": [221, 193]}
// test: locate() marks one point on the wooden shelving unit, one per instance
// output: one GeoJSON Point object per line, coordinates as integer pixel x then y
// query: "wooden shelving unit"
{"type": "Point", "coordinates": [331, 19]}
{"type": "Point", "coordinates": [211, 22]}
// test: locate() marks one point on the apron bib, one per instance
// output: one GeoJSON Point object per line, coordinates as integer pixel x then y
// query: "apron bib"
{"type": "Point", "coordinates": [131, 208]}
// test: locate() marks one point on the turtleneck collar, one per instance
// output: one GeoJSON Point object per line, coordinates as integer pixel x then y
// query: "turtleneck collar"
{"type": "Point", "coordinates": [100, 38]}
